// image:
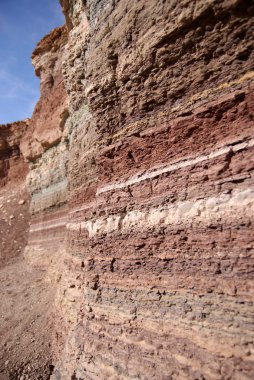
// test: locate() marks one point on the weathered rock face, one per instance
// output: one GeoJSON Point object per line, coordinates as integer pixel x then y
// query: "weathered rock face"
{"type": "Point", "coordinates": [158, 279]}
{"type": "Point", "coordinates": [141, 177]}
{"type": "Point", "coordinates": [45, 149]}
{"type": "Point", "coordinates": [26, 295]}
{"type": "Point", "coordinates": [14, 213]}
{"type": "Point", "coordinates": [12, 164]}
{"type": "Point", "coordinates": [51, 110]}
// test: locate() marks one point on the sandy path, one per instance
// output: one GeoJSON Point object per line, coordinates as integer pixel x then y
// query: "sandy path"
{"type": "Point", "coordinates": [25, 327]}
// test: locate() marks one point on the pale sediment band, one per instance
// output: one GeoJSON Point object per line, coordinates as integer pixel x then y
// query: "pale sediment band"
{"type": "Point", "coordinates": [48, 225]}
{"type": "Point", "coordinates": [62, 185]}
{"type": "Point", "coordinates": [48, 197]}
{"type": "Point", "coordinates": [213, 209]}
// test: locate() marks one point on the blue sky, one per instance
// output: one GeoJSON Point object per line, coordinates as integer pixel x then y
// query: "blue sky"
{"type": "Point", "coordinates": [22, 24]}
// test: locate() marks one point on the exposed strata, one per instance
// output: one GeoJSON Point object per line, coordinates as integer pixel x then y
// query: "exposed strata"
{"type": "Point", "coordinates": [45, 149]}
{"type": "Point", "coordinates": [26, 298]}
{"type": "Point", "coordinates": [141, 177]}
{"type": "Point", "coordinates": [158, 278]}
{"type": "Point", "coordinates": [13, 172]}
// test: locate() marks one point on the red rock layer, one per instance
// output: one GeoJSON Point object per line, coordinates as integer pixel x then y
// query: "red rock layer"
{"type": "Point", "coordinates": [12, 165]}
{"type": "Point", "coordinates": [158, 280]}
{"type": "Point", "coordinates": [14, 200]}
{"type": "Point", "coordinates": [140, 155]}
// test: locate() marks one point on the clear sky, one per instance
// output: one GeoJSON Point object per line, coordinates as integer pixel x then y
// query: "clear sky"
{"type": "Point", "coordinates": [22, 24]}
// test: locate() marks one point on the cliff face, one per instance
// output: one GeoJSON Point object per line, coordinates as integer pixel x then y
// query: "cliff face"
{"type": "Point", "coordinates": [45, 149]}
{"type": "Point", "coordinates": [14, 213]}
{"type": "Point", "coordinates": [141, 177]}
{"type": "Point", "coordinates": [26, 298]}
{"type": "Point", "coordinates": [158, 280]}
{"type": "Point", "coordinates": [12, 164]}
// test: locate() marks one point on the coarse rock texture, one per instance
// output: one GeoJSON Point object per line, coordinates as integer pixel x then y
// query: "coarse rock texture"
{"type": "Point", "coordinates": [14, 210]}
{"type": "Point", "coordinates": [45, 148]}
{"type": "Point", "coordinates": [141, 172]}
{"type": "Point", "coordinates": [51, 110]}
{"type": "Point", "coordinates": [26, 296]}
{"type": "Point", "coordinates": [157, 280]}
{"type": "Point", "coordinates": [12, 164]}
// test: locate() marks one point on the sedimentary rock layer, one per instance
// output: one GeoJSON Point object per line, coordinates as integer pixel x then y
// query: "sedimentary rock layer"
{"type": "Point", "coordinates": [158, 276]}
{"type": "Point", "coordinates": [141, 168]}
{"type": "Point", "coordinates": [14, 214]}
{"type": "Point", "coordinates": [45, 148]}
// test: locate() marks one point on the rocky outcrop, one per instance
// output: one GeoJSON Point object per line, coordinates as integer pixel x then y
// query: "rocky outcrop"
{"type": "Point", "coordinates": [158, 280]}
{"type": "Point", "coordinates": [46, 151]}
{"type": "Point", "coordinates": [141, 177]}
{"type": "Point", "coordinates": [14, 213]}
{"type": "Point", "coordinates": [12, 164]}
{"type": "Point", "coordinates": [51, 110]}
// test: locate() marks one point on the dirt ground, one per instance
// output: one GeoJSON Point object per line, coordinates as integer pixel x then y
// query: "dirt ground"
{"type": "Point", "coordinates": [26, 297]}
{"type": "Point", "coordinates": [14, 222]}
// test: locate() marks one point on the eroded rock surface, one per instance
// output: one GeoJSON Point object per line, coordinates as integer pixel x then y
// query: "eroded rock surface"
{"type": "Point", "coordinates": [158, 278]}
{"type": "Point", "coordinates": [26, 295]}
{"type": "Point", "coordinates": [14, 217]}
{"type": "Point", "coordinates": [141, 166]}
{"type": "Point", "coordinates": [12, 163]}
{"type": "Point", "coordinates": [45, 149]}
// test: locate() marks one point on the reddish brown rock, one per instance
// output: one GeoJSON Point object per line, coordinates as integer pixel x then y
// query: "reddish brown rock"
{"type": "Point", "coordinates": [51, 110]}
{"type": "Point", "coordinates": [158, 280]}
{"type": "Point", "coordinates": [141, 177]}
{"type": "Point", "coordinates": [26, 298]}
{"type": "Point", "coordinates": [12, 164]}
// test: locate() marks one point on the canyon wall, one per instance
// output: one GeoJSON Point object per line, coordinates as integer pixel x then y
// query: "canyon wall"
{"type": "Point", "coordinates": [12, 164]}
{"type": "Point", "coordinates": [158, 275]}
{"type": "Point", "coordinates": [140, 155]}
{"type": "Point", "coordinates": [26, 294]}
{"type": "Point", "coordinates": [14, 204]}
{"type": "Point", "coordinates": [45, 149]}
